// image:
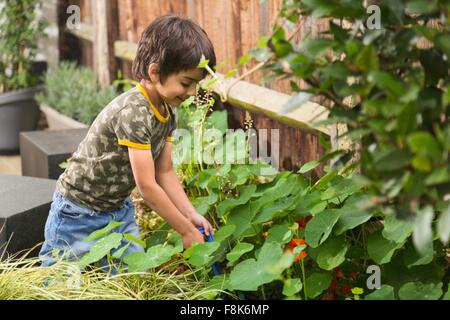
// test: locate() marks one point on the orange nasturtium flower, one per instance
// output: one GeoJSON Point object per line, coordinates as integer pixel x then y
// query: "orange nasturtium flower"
{"type": "Point", "coordinates": [295, 243]}
{"type": "Point", "coordinates": [264, 234]}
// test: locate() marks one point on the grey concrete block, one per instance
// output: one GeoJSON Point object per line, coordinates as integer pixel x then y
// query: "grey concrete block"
{"type": "Point", "coordinates": [42, 151]}
{"type": "Point", "coordinates": [24, 207]}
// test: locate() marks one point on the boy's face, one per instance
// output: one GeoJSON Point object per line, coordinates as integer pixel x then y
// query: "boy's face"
{"type": "Point", "coordinates": [180, 86]}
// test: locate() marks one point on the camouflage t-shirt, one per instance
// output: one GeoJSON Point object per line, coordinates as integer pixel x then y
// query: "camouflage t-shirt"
{"type": "Point", "coordinates": [99, 175]}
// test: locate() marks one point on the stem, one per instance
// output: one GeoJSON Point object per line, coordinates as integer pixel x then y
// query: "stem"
{"type": "Point", "coordinates": [263, 293]}
{"type": "Point", "coordinates": [304, 279]}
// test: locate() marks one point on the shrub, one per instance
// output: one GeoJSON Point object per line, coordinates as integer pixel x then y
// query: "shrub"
{"type": "Point", "coordinates": [75, 92]}
{"type": "Point", "coordinates": [20, 32]}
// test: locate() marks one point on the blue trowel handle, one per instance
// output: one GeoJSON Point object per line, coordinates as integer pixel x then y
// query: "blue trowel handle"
{"type": "Point", "coordinates": [210, 238]}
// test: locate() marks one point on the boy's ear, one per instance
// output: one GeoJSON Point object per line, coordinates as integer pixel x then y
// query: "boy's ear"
{"type": "Point", "coordinates": [153, 72]}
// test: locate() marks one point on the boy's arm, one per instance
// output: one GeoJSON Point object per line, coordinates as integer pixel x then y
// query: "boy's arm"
{"type": "Point", "coordinates": [168, 180]}
{"type": "Point", "coordinates": [144, 174]}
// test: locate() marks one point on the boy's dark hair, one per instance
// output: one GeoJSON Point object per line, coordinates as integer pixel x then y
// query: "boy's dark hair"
{"type": "Point", "coordinates": [175, 44]}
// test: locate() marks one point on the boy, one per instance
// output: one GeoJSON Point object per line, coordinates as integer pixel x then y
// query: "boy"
{"type": "Point", "coordinates": [130, 144]}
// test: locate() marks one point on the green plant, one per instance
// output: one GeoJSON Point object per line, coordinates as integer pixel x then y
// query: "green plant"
{"type": "Point", "coordinates": [20, 31]}
{"type": "Point", "coordinates": [393, 95]}
{"type": "Point", "coordinates": [75, 92]}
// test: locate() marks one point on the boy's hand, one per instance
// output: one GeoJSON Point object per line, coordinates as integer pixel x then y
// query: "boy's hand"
{"type": "Point", "coordinates": [200, 221]}
{"type": "Point", "coordinates": [192, 236]}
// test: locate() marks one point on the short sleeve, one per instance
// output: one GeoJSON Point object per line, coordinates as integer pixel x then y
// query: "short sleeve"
{"type": "Point", "coordinates": [173, 126]}
{"type": "Point", "coordinates": [132, 130]}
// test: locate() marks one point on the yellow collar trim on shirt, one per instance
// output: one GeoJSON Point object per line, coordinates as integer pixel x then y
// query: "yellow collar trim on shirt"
{"type": "Point", "coordinates": [155, 111]}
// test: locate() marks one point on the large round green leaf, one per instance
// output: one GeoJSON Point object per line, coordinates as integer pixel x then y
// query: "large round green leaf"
{"type": "Point", "coordinates": [331, 254]}
{"type": "Point", "coordinates": [102, 248]}
{"type": "Point", "coordinates": [316, 284]}
{"type": "Point", "coordinates": [228, 204]}
{"type": "Point", "coordinates": [238, 251]}
{"type": "Point", "coordinates": [249, 274]}
{"type": "Point", "coordinates": [320, 226]}
{"type": "Point", "coordinates": [386, 292]}
{"type": "Point", "coordinates": [154, 257]}
{"type": "Point", "coordinates": [292, 286]}
{"type": "Point", "coordinates": [420, 291]}
{"type": "Point", "coordinates": [381, 249]}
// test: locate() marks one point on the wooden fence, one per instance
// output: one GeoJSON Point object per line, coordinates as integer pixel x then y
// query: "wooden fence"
{"type": "Point", "coordinates": [107, 40]}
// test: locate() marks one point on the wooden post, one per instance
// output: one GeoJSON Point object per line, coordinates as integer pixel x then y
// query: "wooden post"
{"type": "Point", "coordinates": [106, 30]}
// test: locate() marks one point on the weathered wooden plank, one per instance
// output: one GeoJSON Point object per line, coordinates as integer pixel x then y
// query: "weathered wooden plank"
{"type": "Point", "coordinates": [101, 47]}
{"type": "Point", "coordinates": [84, 32]}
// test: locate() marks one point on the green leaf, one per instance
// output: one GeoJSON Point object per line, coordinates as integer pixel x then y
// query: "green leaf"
{"type": "Point", "coordinates": [134, 239]}
{"type": "Point", "coordinates": [249, 274]}
{"type": "Point", "coordinates": [241, 217]}
{"type": "Point", "coordinates": [423, 7]}
{"type": "Point", "coordinates": [391, 160]}
{"type": "Point", "coordinates": [284, 262]}
{"type": "Point", "coordinates": [202, 253]}
{"type": "Point", "coordinates": [279, 233]}
{"type": "Point", "coordinates": [203, 62]}
{"type": "Point", "coordinates": [351, 217]}
{"type": "Point", "coordinates": [317, 283]}
{"type": "Point", "coordinates": [245, 59]}
{"type": "Point", "coordinates": [276, 209]}
{"type": "Point", "coordinates": [396, 230]}
{"type": "Point", "coordinates": [224, 233]}
{"type": "Point", "coordinates": [423, 144]}
{"type": "Point", "coordinates": [100, 233]}
{"type": "Point", "coordinates": [322, 182]}
{"type": "Point", "coordinates": [422, 230]}
{"type": "Point", "coordinates": [309, 166]}
{"type": "Point", "coordinates": [228, 204]}
{"type": "Point", "coordinates": [387, 82]}
{"type": "Point", "coordinates": [386, 292]}
{"type": "Point", "coordinates": [443, 226]}
{"type": "Point", "coordinates": [438, 176]}
{"type": "Point", "coordinates": [240, 249]}
{"type": "Point", "coordinates": [292, 286]}
{"type": "Point", "coordinates": [101, 248]}
{"type": "Point", "coordinates": [320, 227]}
{"type": "Point", "coordinates": [119, 253]}
{"type": "Point", "coordinates": [217, 120]}
{"type": "Point", "coordinates": [317, 46]}
{"type": "Point", "coordinates": [231, 73]}
{"type": "Point", "coordinates": [367, 59]}
{"type": "Point", "coordinates": [158, 236]}
{"type": "Point", "coordinates": [154, 257]}
{"type": "Point", "coordinates": [342, 189]}
{"type": "Point", "coordinates": [412, 258]}
{"type": "Point", "coordinates": [331, 254]}
{"type": "Point", "coordinates": [446, 295]}
{"type": "Point", "coordinates": [239, 175]}
{"type": "Point", "coordinates": [381, 249]}
{"type": "Point", "coordinates": [420, 291]}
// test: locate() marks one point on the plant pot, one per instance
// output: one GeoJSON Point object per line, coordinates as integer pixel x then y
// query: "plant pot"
{"type": "Point", "coordinates": [18, 112]}
{"type": "Point", "coordinates": [58, 121]}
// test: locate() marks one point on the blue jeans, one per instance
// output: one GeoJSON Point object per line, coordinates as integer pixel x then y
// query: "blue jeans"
{"type": "Point", "coordinates": [68, 223]}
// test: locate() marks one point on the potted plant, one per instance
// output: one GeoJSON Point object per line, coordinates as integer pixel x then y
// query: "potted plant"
{"type": "Point", "coordinates": [73, 97]}
{"type": "Point", "coordinates": [20, 31]}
